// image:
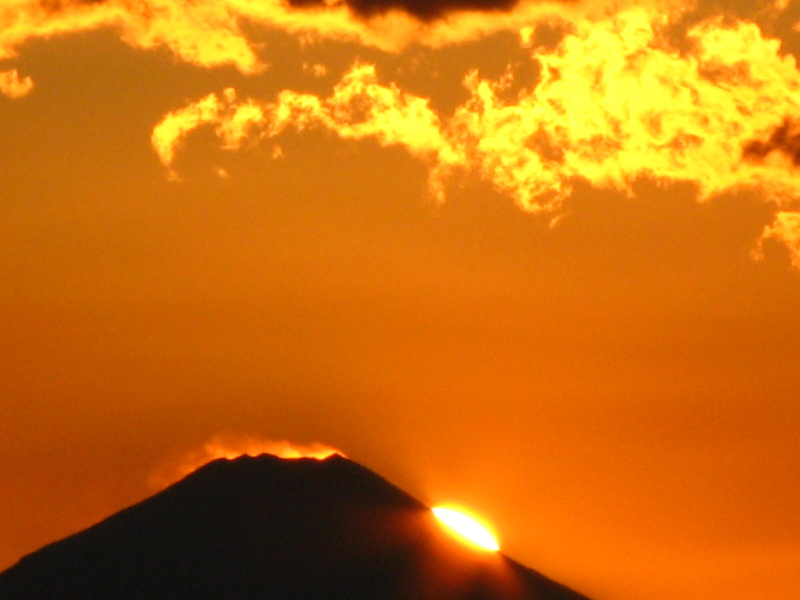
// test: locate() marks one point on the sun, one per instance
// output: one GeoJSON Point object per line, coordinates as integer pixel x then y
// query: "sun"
{"type": "Point", "coordinates": [467, 528]}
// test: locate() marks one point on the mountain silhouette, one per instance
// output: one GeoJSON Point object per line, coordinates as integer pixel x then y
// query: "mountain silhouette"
{"type": "Point", "coordinates": [266, 528]}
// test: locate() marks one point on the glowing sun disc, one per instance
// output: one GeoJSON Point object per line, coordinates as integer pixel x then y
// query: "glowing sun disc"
{"type": "Point", "coordinates": [467, 528]}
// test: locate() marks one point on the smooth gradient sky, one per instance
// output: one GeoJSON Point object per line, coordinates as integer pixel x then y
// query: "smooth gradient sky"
{"type": "Point", "coordinates": [542, 261]}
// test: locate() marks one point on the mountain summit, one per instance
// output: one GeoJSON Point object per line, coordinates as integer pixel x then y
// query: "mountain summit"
{"type": "Point", "coordinates": [266, 528]}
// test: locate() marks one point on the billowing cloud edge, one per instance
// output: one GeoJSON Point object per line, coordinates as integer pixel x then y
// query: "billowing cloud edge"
{"type": "Point", "coordinates": [210, 33]}
{"type": "Point", "coordinates": [615, 102]}
{"type": "Point", "coordinates": [14, 86]}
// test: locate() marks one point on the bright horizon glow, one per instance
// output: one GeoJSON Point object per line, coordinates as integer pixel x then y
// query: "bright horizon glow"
{"type": "Point", "coordinates": [467, 528]}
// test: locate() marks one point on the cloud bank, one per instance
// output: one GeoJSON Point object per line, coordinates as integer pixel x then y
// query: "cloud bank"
{"type": "Point", "coordinates": [616, 101]}
{"type": "Point", "coordinates": [631, 91]}
{"type": "Point", "coordinates": [211, 33]}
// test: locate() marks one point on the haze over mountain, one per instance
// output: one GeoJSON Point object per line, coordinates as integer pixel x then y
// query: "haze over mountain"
{"type": "Point", "coordinates": [264, 527]}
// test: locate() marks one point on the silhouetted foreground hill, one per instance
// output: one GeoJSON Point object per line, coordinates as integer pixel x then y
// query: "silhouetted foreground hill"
{"type": "Point", "coordinates": [268, 528]}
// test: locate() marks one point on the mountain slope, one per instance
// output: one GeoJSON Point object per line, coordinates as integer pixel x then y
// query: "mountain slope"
{"type": "Point", "coordinates": [267, 528]}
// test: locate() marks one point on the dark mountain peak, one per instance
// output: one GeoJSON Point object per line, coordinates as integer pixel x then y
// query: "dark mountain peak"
{"type": "Point", "coordinates": [270, 528]}
{"type": "Point", "coordinates": [334, 475]}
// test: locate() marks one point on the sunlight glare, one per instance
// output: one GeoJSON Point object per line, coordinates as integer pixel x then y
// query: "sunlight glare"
{"type": "Point", "coordinates": [467, 528]}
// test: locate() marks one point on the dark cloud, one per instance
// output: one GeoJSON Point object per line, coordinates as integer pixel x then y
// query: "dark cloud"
{"type": "Point", "coordinates": [784, 139]}
{"type": "Point", "coordinates": [426, 10]}
{"type": "Point", "coordinates": [54, 7]}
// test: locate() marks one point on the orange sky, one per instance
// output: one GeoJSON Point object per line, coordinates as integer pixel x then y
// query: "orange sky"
{"type": "Point", "coordinates": [543, 263]}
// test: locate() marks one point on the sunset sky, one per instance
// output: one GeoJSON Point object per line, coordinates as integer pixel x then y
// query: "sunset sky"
{"type": "Point", "coordinates": [539, 259]}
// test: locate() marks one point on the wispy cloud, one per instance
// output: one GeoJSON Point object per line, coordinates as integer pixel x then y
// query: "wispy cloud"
{"type": "Point", "coordinates": [209, 33]}
{"type": "Point", "coordinates": [616, 101]}
{"type": "Point", "coordinates": [14, 86]}
{"type": "Point", "coordinates": [205, 33]}
{"type": "Point", "coordinates": [231, 119]}
{"type": "Point", "coordinates": [786, 230]}
{"type": "Point", "coordinates": [358, 108]}
{"type": "Point", "coordinates": [618, 98]}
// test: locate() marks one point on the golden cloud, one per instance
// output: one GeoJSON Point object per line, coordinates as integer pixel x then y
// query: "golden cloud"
{"type": "Point", "coordinates": [14, 86]}
{"type": "Point", "coordinates": [358, 108]}
{"type": "Point", "coordinates": [231, 120]}
{"type": "Point", "coordinates": [208, 33]}
{"type": "Point", "coordinates": [205, 33]}
{"type": "Point", "coordinates": [618, 98]}
{"type": "Point", "coordinates": [786, 230]}
{"type": "Point", "coordinates": [615, 102]}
